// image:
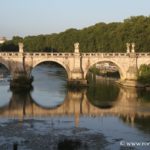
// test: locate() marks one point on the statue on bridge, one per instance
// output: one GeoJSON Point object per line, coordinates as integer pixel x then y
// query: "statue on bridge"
{"type": "Point", "coordinates": [130, 47]}
{"type": "Point", "coordinates": [76, 47]}
{"type": "Point", "coordinates": [133, 47]}
{"type": "Point", "coordinates": [21, 47]}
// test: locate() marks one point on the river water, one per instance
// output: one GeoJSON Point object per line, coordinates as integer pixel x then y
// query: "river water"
{"type": "Point", "coordinates": [103, 116]}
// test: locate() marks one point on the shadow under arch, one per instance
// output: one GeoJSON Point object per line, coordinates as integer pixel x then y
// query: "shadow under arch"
{"type": "Point", "coordinates": [55, 62]}
{"type": "Point", "coordinates": [105, 61]}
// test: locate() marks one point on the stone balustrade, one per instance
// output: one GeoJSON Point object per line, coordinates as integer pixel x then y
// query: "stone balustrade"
{"type": "Point", "coordinates": [143, 54]}
{"type": "Point", "coordinates": [49, 54]}
{"type": "Point", "coordinates": [9, 54]}
{"type": "Point", "coordinates": [72, 54]}
{"type": "Point", "coordinates": [102, 55]}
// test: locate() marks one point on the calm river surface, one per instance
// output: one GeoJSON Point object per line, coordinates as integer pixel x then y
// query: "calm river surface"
{"type": "Point", "coordinates": [51, 117]}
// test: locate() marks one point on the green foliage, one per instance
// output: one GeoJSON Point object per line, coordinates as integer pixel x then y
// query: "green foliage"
{"type": "Point", "coordinates": [16, 40]}
{"type": "Point", "coordinates": [144, 74]}
{"type": "Point", "coordinates": [103, 93]}
{"type": "Point", "coordinates": [9, 46]}
{"type": "Point", "coordinates": [94, 70]}
{"type": "Point", "coordinates": [101, 37]}
{"type": "Point", "coordinates": [143, 95]}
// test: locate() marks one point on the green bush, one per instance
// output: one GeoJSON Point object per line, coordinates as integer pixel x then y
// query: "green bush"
{"type": "Point", "coordinates": [144, 74]}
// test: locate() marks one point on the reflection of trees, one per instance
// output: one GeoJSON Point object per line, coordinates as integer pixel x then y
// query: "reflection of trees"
{"type": "Point", "coordinates": [144, 95]}
{"type": "Point", "coordinates": [103, 94]}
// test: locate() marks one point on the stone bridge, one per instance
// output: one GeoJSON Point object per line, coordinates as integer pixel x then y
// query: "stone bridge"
{"type": "Point", "coordinates": [76, 64]}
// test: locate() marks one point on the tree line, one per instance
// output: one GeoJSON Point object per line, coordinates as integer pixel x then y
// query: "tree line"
{"type": "Point", "coordinates": [101, 37]}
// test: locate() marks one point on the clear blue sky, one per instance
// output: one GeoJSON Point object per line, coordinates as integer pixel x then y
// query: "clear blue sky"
{"type": "Point", "coordinates": [33, 17]}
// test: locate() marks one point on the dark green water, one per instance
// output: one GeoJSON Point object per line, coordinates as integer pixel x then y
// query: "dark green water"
{"type": "Point", "coordinates": [103, 116]}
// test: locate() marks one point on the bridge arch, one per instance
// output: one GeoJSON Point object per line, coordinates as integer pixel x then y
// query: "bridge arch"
{"type": "Point", "coordinates": [57, 62]}
{"type": "Point", "coordinates": [7, 70]}
{"type": "Point", "coordinates": [120, 70]}
{"type": "Point", "coordinates": [5, 65]}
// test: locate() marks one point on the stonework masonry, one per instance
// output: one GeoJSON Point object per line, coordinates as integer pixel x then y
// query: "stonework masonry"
{"type": "Point", "coordinates": [76, 64]}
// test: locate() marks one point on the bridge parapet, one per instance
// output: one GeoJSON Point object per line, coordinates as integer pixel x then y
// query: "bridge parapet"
{"type": "Point", "coordinates": [143, 54]}
{"type": "Point", "coordinates": [49, 54]}
{"type": "Point", "coordinates": [103, 55]}
{"type": "Point", "coordinates": [4, 54]}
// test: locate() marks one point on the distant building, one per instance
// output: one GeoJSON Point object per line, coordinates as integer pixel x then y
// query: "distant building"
{"type": "Point", "coordinates": [2, 40]}
{"type": "Point", "coordinates": [107, 66]}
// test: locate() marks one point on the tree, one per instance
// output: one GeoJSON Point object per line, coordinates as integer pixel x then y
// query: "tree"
{"type": "Point", "coordinates": [144, 74]}
{"type": "Point", "coordinates": [101, 37]}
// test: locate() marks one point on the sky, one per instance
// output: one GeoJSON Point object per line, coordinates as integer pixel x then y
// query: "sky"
{"type": "Point", "coordinates": [34, 17]}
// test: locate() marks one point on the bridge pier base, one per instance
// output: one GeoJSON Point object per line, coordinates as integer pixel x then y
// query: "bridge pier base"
{"type": "Point", "coordinates": [130, 83]}
{"type": "Point", "coordinates": [77, 83]}
{"type": "Point", "coordinates": [21, 82]}
{"type": "Point", "coordinates": [77, 80]}
{"type": "Point", "coordinates": [131, 79]}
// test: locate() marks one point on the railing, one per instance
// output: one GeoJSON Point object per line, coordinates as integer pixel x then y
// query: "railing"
{"type": "Point", "coordinates": [9, 53]}
{"type": "Point", "coordinates": [104, 54]}
{"type": "Point", "coordinates": [143, 54]}
{"type": "Point", "coordinates": [6, 54]}
{"type": "Point", "coordinates": [44, 54]}
{"type": "Point", "coordinates": [49, 54]}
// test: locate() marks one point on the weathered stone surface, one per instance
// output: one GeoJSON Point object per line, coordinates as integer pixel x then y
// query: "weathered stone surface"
{"type": "Point", "coordinates": [76, 64]}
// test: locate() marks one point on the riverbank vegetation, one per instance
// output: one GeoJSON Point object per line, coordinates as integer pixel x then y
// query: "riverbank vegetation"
{"type": "Point", "coordinates": [144, 74]}
{"type": "Point", "coordinates": [101, 37]}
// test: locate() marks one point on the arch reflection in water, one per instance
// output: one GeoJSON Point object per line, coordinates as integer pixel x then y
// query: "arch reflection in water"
{"type": "Point", "coordinates": [144, 95]}
{"type": "Point", "coordinates": [104, 93]}
{"type": "Point", "coordinates": [5, 93]}
{"type": "Point", "coordinates": [49, 84]}
{"type": "Point", "coordinates": [76, 104]}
